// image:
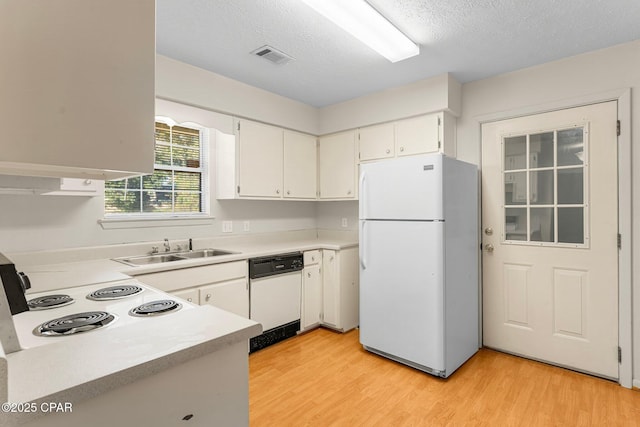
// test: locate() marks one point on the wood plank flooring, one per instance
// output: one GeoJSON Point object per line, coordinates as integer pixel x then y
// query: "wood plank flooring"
{"type": "Point", "coordinates": [323, 378]}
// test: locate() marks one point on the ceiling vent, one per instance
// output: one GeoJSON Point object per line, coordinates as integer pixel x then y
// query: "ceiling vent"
{"type": "Point", "coordinates": [272, 55]}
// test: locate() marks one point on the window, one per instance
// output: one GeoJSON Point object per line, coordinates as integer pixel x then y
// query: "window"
{"type": "Point", "coordinates": [545, 187]}
{"type": "Point", "coordinates": [177, 185]}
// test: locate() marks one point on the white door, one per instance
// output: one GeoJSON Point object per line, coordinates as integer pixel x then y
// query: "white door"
{"type": "Point", "coordinates": [338, 166]}
{"type": "Point", "coordinates": [232, 296]}
{"type": "Point", "coordinates": [550, 224]}
{"type": "Point", "coordinates": [261, 160]}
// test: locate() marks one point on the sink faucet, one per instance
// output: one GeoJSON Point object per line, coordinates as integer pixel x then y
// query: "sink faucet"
{"type": "Point", "coordinates": [167, 245]}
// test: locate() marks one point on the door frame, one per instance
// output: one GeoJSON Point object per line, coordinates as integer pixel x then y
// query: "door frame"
{"type": "Point", "coordinates": [625, 265]}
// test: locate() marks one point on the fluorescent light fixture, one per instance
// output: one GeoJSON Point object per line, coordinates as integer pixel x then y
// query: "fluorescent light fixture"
{"type": "Point", "coordinates": [362, 21]}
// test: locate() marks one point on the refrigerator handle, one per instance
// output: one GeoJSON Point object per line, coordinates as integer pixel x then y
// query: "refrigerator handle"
{"type": "Point", "coordinates": [363, 247]}
{"type": "Point", "coordinates": [362, 195]}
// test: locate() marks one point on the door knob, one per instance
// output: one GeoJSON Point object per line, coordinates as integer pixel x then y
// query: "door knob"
{"type": "Point", "coordinates": [489, 247]}
{"type": "Point", "coordinates": [488, 231]}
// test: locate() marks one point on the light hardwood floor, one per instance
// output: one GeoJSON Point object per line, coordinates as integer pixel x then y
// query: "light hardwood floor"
{"type": "Point", "coordinates": [324, 378]}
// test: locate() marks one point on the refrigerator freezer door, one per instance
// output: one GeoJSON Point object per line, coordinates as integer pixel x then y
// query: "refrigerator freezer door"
{"type": "Point", "coordinates": [404, 188]}
{"type": "Point", "coordinates": [401, 290]}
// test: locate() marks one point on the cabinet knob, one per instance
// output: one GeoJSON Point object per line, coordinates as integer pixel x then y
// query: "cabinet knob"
{"type": "Point", "coordinates": [87, 182]}
{"type": "Point", "coordinates": [348, 191]}
{"type": "Point", "coordinates": [190, 299]}
{"type": "Point", "coordinates": [288, 192]}
{"type": "Point", "coordinates": [401, 149]}
{"type": "Point", "coordinates": [277, 191]}
{"type": "Point", "coordinates": [313, 258]}
{"type": "Point", "coordinates": [308, 274]}
{"type": "Point", "coordinates": [388, 151]}
{"type": "Point", "coordinates": [208, 297]}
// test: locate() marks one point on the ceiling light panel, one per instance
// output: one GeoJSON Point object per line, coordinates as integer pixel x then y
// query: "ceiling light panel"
{"type": "Point", "coordinates": [362, 21]}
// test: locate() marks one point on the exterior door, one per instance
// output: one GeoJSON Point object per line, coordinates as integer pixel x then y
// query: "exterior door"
{"type": "Point", "coordinates": [550, 226]}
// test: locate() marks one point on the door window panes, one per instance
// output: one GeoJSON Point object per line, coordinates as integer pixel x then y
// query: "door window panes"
{"type": "Point", "coordinates": [541, 150]}
{"type": "Point", "coordinates": [541, 228]}
{"type": "Point", "coordinates": [545, 187]}
{"type": "Point", "coordinates": [516, 223]}
{"type": "Point", "coordinates": [515, 152]}
{"type": "Point", "coordinates": [570, 225]}
{"type": "Point", "coordinates": [571, 147]}
{"type": "Point", "coordinates": [570, 186]}
{"type": "Point", "coordinates": [541, 187]}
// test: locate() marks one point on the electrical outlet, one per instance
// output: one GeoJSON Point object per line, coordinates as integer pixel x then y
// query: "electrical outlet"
{"type": "Point", "coordinates": [345, 223]}
{"type": "Point", "coordinates": [247, 226]}
{"type": "Point", "coordinates": [227, 226]}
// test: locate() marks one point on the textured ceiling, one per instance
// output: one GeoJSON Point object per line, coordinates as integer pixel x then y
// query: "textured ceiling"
{"type": "Point", "coordinates": [471, 39]}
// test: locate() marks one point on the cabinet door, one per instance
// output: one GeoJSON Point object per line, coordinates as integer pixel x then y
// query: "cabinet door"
{"type": "Point", "coordinates": [330, 288]}
{"type": "Point", "coordinates": [338, 166]}
{"type": "Point", "coordinates": [300, 166]}
{"type": "Point", "coordinates": [260, 160]}
{"type": "Point", "coordinates": [231, 296]}
{"type": "Point", "coordinates": [191, 295]}
{"type": "Point", "coordinates": [376, 142]}
{"type": "Point", "coordinates": [69, 70]}
{"type": "Point", "coordinates": [418, 135]}
{"type": "Point", "coordinates": [311, 296]}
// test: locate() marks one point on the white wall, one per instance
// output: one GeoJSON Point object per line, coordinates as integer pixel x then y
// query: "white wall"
{"type": "Point", "coordinates": [330, 215]}
{"type": "Point", "coordinates": [561, 81]}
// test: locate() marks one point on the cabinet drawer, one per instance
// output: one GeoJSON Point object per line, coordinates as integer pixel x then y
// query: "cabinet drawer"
{"type": "Point", "coordinates": [195, 276]}
{"type": "Point", "coordinates": [311, 257]}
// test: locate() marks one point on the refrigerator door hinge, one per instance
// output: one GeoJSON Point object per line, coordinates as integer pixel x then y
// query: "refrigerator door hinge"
{"type": "Point", "coordinates": [619, 354]}
{"type": "Point", "coordinates": [619, 241]}
{"type": "Point", "coordinates": [618, 127]}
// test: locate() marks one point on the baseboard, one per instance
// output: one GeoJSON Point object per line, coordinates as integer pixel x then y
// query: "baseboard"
{"type": "Point", "coordinates": [636, 385]}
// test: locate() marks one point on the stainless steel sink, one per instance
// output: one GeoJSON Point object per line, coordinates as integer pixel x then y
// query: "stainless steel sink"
{"type": "Point", "coordinates": [203, 253]}
{"type": "Point", "coordinates": [170, 257]}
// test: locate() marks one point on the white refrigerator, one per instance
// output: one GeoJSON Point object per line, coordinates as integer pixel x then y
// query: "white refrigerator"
{"type": "Point", "coordinates": [419, 261]}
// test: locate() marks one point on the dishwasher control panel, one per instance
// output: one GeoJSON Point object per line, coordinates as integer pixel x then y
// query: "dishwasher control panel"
{"type": "Point", "coordinates": [275, 264]}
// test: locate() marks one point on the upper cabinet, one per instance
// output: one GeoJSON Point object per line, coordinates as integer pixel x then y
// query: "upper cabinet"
{"type": "Point", "coordinates": [424, 134]}
{"type": "Point", "coordinates": [77, 88]}
{"type": "Point", "coordinates": [376, 142]}
{"type": "Point", "coordinates": [260, 157]}
{"type": "Point", "coordinates": [265, 162]}
{"type": "Point", "coordinates": [300, 166]}
{"type": "Point", "coordinates": [338, 166]}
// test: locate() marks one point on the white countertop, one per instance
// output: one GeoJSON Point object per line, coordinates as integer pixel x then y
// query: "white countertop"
{"type": "Point", "coordinates": [50, 276]}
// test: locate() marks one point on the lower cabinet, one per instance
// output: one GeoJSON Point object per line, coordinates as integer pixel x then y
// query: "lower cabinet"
{"type": "Point", "coordinates": [340, 284]}
{"type": "Point", "coordinates": [225, 285]}
{"type": "Point", "coordinates": [330, 291]}
{"type": "Point", "coordinates": [311, 297]}
{"type": "Point", "coordinates": [231, 296]}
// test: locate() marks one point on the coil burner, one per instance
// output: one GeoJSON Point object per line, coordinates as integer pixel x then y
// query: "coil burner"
{"type": "Point", "coordinates": [114, 292]}
{"type": "Point", "coordinates": [49, 301]}
{"type": "Point", "coordinates": [74, 324]}
{"type": "Point", "coordinates": [155, 308]}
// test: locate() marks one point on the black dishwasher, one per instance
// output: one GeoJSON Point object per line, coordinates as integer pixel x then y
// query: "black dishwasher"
{"type": "Point", "coordinates": [275, 286]}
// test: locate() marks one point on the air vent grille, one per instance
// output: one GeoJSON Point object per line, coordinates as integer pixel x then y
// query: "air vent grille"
{"type": "Point", "coordinates": [272, 54]}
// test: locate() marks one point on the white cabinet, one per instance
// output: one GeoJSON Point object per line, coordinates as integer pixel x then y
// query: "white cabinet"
{"type": "Point", "coordinates": [265, 162]}
{"type": "Point", "coordinates": [426, 134]}
{"type": "Point", "coordinates": [222, 285]}
{"type": "Point", "coordinates": [260, 160]}
{"type": "Point", "coordinates": [311, 307]}
{"type": "Point", "coordinates": [376, 142]}
{"type": "Point", "coordinates": [78, 88]}
{"type": "Point", "coordinates": [417, 135]}
{"type": "Point", "coordinates": [340, 286]}
{"type": "Point", "coordinates": [300, 166]}
{"type": "Point", "coordinates": [10, 184]}
{"type": "Point", "coordinates": [230, 295]}
{"type": "Point", "coordinates": [338, 171]}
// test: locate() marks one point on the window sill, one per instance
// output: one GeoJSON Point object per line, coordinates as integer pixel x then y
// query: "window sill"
{"type": "Point", "coordinates": [148, 222]}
